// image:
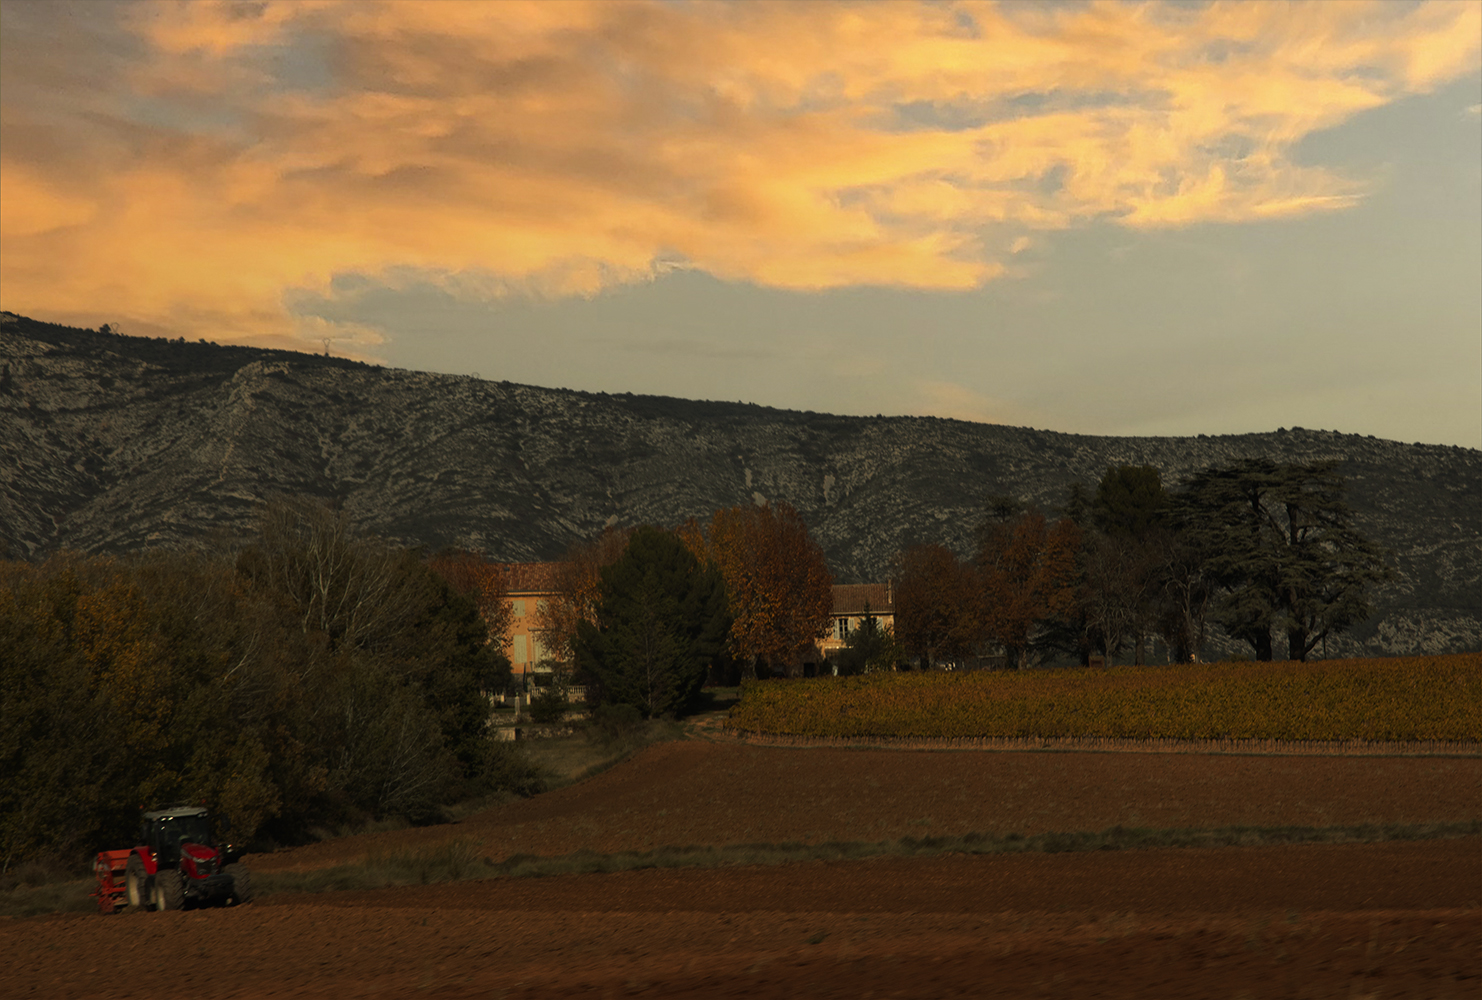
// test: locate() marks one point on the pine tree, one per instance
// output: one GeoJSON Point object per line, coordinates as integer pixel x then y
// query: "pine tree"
{"type": "Point", "coordinates": [1279, 541]}
{"type": "Point", "coordinates": [661, 619]}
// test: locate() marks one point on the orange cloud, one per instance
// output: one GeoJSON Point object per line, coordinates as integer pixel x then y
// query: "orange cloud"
{"type": "Point", "coordinates": [249, 149]}
{"type": "Point", "coordinates": [957, 402]}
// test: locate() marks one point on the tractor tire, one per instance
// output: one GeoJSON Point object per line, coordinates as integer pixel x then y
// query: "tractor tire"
{"type": "Point", "coordinates": [137, 884]}
{"type": "Point", "coordinates": [169, 890]}
{"type": "Point", "coordinates": [241, 883]}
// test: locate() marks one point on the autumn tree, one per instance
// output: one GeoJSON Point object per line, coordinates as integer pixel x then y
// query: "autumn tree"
{"type": "Point", "coordinates": [484, 583]}
{"type": "Point", "coordinates": [939, 609]}
{"type": "Point", "coordinates": [661, 618]}
{"type": "Point", "coordinates": [777, 578]}
{"type": "Point", "coordinates": [577, 586]}
{"type": "Point", "coordinates": [1028, 568]}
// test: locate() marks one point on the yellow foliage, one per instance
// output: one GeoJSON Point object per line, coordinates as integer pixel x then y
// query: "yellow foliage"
{"type": "Point", "coordinates": [1392, 699]}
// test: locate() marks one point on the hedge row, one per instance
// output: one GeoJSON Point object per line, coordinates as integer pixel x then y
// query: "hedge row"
{"type": "Point", "coordinates": [1395, 699]}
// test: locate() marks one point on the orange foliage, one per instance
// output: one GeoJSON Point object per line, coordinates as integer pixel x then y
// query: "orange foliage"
{"type": "Point", "coordinates": [938, 604]}
{"type": "Point", "coordinates": [578, 588]}
{"type": "Point", "coordinates": [777, 580]}
{"type": "Point", "coordinates": [472, 576]}
{"type": "Point", "coordinates": [1029, 574]}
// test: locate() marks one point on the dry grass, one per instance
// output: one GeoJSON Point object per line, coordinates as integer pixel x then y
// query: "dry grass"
{"type": "Point", "coordinates": [1399, 699]}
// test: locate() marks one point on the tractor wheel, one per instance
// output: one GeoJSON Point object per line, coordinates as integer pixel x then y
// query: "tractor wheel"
{"type": "Point", "coordinates": [137, 883]}
{"type": "Point", "coordinates": [169, 890]}
{"type": "Point", "coordinates": [241, 883]}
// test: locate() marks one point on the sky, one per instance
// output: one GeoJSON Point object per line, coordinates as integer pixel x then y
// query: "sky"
{"type": "Point", "coordinates": [1102, 218]}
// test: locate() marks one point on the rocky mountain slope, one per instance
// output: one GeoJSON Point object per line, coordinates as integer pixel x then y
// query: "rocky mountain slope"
{"type": "Point", "coordinates": [112, 443]}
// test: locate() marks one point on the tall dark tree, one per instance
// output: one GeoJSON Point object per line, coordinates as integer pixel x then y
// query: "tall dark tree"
{"type": "Point", "coordinates": [1130, 500]}
{"type": "Point", "coordinates": [1122, 562]}
{"type": "Point", "coordinates": [661, 619]}
{"type": "Point", "coordinates": [1280, 542]}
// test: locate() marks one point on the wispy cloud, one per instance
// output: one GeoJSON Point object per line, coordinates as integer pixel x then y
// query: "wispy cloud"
{"type": "Point", "coordinates": [240, 150]}
{"type": "Point", "coordinates": [958, 402]}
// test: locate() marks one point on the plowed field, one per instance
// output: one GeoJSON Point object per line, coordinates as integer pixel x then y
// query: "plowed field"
{"type": "Point", "coordinates": [696, 792]}
{"type": "Point", "coordinates": [1374, 920]}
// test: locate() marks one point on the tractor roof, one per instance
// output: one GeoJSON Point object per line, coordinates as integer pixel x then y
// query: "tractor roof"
{"type": "Point", "coordinates": [168, 812]}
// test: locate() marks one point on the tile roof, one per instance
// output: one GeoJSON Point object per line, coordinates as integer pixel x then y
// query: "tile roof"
{"type": "Point", "coordinates": [850, 598]}
{"type": "Point", "coordinates": [531, 577]}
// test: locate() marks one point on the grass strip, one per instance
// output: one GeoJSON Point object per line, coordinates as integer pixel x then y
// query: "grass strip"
{"type": "Point", "coordinates": [462, 860]}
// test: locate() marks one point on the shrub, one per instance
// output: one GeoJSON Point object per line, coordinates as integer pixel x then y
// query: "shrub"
{"type": "Point", "coordinates": [549, 705]}
{"type": "Point", "coordinates": [612, 724]}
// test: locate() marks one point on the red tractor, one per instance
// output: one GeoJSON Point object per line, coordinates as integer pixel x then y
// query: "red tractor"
{"type": "Point", "coordinates": [178, 862]}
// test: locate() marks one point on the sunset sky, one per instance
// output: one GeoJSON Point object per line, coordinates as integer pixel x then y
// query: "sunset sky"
{"type": "Point", "coordinates": [1091, 217]}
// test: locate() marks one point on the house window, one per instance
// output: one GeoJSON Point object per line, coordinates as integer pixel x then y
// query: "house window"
{"type": "Point", "coordinates": [843, 630]}
{"type": "Point", "coordinates": [522, 652]}
{"type": "Point", "coordinates": [519, 609]}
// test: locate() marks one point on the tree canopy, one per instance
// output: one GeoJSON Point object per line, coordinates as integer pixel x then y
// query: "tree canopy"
{"type": "Point", "coordinates": [938, 605]}
{"type": "Point", "coordinates": [1279, 541]}
{"type": "Point", "coordinates": [1029, 574]}
{"type": "Point", "coordinates": [661, 618]}
{"type": "Point", "coordinates": [777, 578]}
{"type": "Point", "coordinates": [578, 589]}
{"type": "Point", "coordinates": [315, 675]}
{"type": "Point", "coordinates": [1256, 548]}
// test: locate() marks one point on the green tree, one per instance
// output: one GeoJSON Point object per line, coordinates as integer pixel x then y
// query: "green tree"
{"type": "Point", "coordinates": [1130, 500]}
{"type": "Point", "coordinates": [317, 675]}
{"type": "Point", "coordinates": [662, 618]}
{"type": "Point", "coordinates": [1122, 560]}
{"type": "Point", "coordinates": [1279, 541]}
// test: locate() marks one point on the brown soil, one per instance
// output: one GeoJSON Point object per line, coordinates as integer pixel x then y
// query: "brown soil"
{"type": "Point", "coordinates": [1390, 920]}
{"type": "Point", "coordinates": [696, 792]}
{"type": "Point", "coordinates": [1400, 919]}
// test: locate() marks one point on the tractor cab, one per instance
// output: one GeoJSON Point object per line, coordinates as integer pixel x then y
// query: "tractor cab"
{"type": "Point", "coordinates": [166, 832]}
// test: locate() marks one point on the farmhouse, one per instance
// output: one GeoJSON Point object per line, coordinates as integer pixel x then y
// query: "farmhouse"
{"type": "Point", "coordinates": [852, 601]}
{"type": "Point", "coordinates": [528, 586]}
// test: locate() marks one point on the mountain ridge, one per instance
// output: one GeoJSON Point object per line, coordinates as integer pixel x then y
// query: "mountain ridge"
{"type": "Point", "coordinates": [114, 443]}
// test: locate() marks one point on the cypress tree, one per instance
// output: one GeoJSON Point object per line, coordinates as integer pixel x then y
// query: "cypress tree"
{"type": "Point", "coordinates": [661, 619]}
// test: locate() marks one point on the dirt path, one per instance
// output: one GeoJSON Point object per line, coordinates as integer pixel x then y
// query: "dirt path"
{"type": "Point", "coordinates": [1390, 920]}
{"type": "Point", "coordinates": [697, 792]}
